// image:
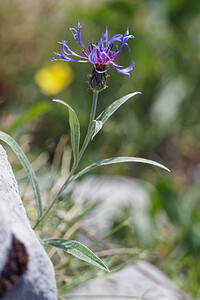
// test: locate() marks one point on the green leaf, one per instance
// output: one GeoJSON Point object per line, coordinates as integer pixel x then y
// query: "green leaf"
{"type": "Point", "coordinates": [27, 166]}
{"type": "Point", "coordinates": [115, 160]}
{"type": "Point", "coordinates": [109, 111]}
{"type": "Point", "coordinates": [75, 130]}
{"type": "Point", "coordinates": [97, 127]}
{"type": "Point", "coordinates": [77, 250]}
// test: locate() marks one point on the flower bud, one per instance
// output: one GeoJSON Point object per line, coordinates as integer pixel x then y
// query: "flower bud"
{"type": "Point", "coordinates": [97, 81]}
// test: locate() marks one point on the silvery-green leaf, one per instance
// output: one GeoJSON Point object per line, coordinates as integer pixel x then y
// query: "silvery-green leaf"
{"type": "Point", "coordinates": [115, 160]}
{"type": "Point", "coordinates": [75, 129]}
{"type": "Point", "coordinates": [27, 166]}
{"type": "Point", "coordinates": [78, 250]}
{"type": "Point", "coordinates": [97, 127]}
{"type": "Point", "coordinates": [109, 111]}
{"type": "Point", "coordinates": [103, 117]}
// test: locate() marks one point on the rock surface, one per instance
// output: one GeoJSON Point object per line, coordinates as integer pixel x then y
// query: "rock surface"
{"type": "Point", "coordinates": [140, 280]}
{"type": "Point", "coordinates": [114, 193]}
{"type": "Point", "coordinates": [38, 279]}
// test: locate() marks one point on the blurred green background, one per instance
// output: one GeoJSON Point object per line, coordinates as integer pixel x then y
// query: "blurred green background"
{"type": "Point", "coordinates": [162, 124]}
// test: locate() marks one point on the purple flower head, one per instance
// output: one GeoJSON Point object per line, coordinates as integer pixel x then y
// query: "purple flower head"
{"type": "Point", "coordinates": [101, 55]}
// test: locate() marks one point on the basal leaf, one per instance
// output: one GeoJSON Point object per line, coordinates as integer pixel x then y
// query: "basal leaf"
{"type": "Point", "coordinates": [27, 166]}
{"type": "Point", "coordinates": [75, 129]}
{"type": "Point", "coordinates": [77, 250]}
{"type": "Point", "coordinates": [115, 160]}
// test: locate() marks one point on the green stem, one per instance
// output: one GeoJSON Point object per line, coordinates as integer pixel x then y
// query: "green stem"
{"type": "Point", "coordinates": [55, 198]}
{"type": "Point", "coordinates": [85, 143]}
{"type": "Point", "coordinates": [92, 117]}
{"type": "Point", "coordinates": [45, 213]}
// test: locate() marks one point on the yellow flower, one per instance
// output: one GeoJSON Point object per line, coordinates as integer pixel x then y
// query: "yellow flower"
{"type": "Point", "coordinates": [54, 78]}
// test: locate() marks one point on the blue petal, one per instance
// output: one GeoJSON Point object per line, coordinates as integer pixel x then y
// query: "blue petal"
{"type": "Point", "coordinates": [68, 51]}
{"type": "Point", "coordinates": [100, 44]}
{"type": "Point", "coordinates": [77, 35]}
{"type": "Point", "coordinates": [116, 38]}
{"type": "Point", "coordinates": [92, 56]}
{"type": "Point", "coordinates": [105, 55]}
{"type": "Point", "coordinates": [124, 40]}
{"type": "Point", "coordinates": [106, 36]}
{"type": "Point", "coordinates": [65, 58]}
{"type": "Point", "coordinates": [104, 39]}
{"type": "Point", "coordinates": [124, 71]}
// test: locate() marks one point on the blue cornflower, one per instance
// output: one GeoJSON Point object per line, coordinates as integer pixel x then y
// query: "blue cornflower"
{"type": "Point", "coordinates": [101, 55]}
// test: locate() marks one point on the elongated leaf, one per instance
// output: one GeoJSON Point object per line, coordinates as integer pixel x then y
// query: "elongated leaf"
{"type": "Point", "coordinates": [109, 111]}
{"type": "Point", "coordinates": [115, 160]}
{"type": "Point", "coordinates": [77, 250]}
{"type": "Point", "coordinates": [27, 166]}
{"type": "Point", "coordinates": [75, 129]}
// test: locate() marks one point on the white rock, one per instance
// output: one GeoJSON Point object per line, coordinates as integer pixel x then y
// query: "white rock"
{"type": "Point", "coordinates": [38, 282]}
{"type": "Point", "coordinates": [115, 192]}
{"type": "Point", "coordinates": [140, 280]}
